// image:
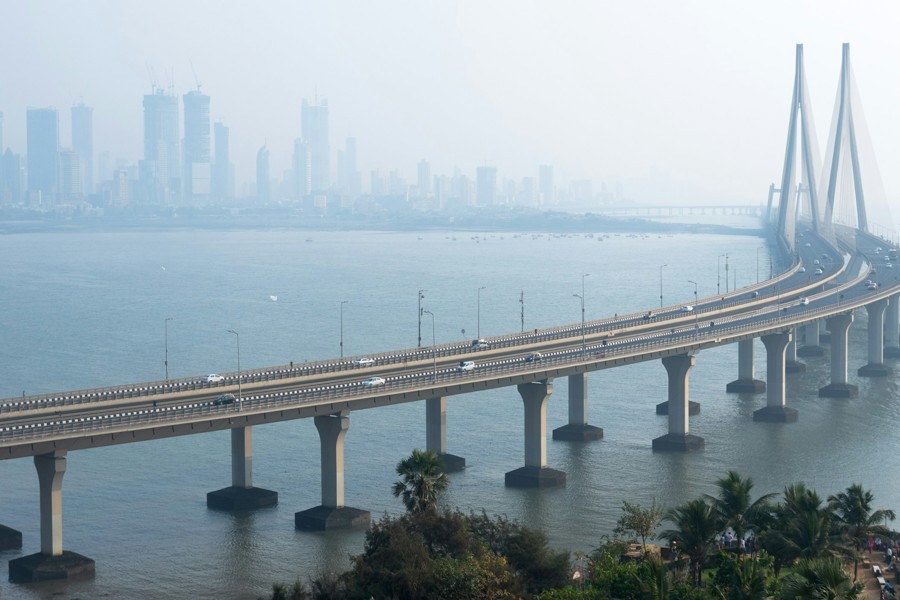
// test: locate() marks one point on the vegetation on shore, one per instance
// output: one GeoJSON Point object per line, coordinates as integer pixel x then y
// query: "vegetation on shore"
{"type": "Point", "coordinates": [730, 546]}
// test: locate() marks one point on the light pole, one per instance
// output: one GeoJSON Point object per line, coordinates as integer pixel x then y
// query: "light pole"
{"type": "Point", "coordinates": [583, 350]}
{"type": "Point", "coordinates": [433, 347]}
{"type": "Point", "coordinates": [660, 285]}
{"type": "Point", "coordinates": [726, 272]}
{"type": "Point", "coordinates": [479, 312]}
{"type": "Point", "coordinates": [696, 323]}
{"type": "Point", "coordinates": [421, 296]}
{"type": "Point", "coordinates": [719, 274]}
{"type": "Point", "coordinates": [757, 263]}
{"type": "Point", "coordinates": [695, 292]}
{"type": "Point", "coordinates": [238, 336]}
{"type": "Point", "coordinates": [343, 302]}
{"type": "Point", "coordinates": [522, 302]}
{"type": "Point", "coordinates": [167, 347]}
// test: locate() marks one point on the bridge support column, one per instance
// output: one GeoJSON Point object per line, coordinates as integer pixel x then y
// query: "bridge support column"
{"type": "Point", "coordinates": [578, 429]}
{"type": "Point", "coordinates": [332, 514]}
{"type": "Point", "coordinates": [838, 325]}
{"type": "Point", "coordinates": [52, 562]}
{"type": "Point", "coordinates": [678, 368]}
{"type": "Point", "coordinates": [811, 347]}
{"type": "Point", "coordinates": [791, 364]}
{"type": "Point", "coordinates": [775, 410]}
{"type": "Point", "coordinates": [875, 367]}
{"type": "Point", "coordinates": [241, 495]}
{"type": "Point", "coordinates": [892, 328]}
{"type": "Point", "coordinates": [436, 434]}
{"type": "Point", "coordinates": [535, 473]}
{"type": "Point", "coordinates": [746, 383]}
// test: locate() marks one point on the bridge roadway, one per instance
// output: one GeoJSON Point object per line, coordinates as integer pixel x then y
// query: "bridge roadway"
{"type": "Point", "coordinates": [47, 427]}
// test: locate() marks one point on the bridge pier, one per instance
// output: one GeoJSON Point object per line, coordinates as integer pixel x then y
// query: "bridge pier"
{"type": "Point", "coordinates": [436, 434]}
{"type": "Point", "coordinates": [52, 562]}
{"type": "Point", "coordinates": [838, 325]}
{"type": "Point", "coordinates": [746, 383]}
{"type": "Point", "coordinates": [811, 346]}
{"type": "Point", "coordinates": [332, 514]}
{"type": "Point", "coordinates": [775, 410]}
{"type": "Point", "coordinates": [678, 368]}
{"type": "Point", "coordinates": [791, 364]}
{"type": "Point", "coordinates": [535, 473]}
{"type": "Point", "coordinates": [875, 367]}
{"type": "Point", "coordinates": [578, 430]}
{"type": "Point", "coordinates": [241, 495]}
{"type": "Point", "coordinates": [892, 327]}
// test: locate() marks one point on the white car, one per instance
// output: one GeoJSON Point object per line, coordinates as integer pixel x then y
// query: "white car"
{"type": "Point", "coordinates": [363, 362]}
{"type": "Point", "coordinates": [818, 271]}
{"type": "Point", "coordinates": [373, 381]}
{"type": "Point", "coordinates": [479, 344]}
{"type": "Point", "coordinates": [801, 270]}
{"type": "Point", "coordinates": [214, 378]}
{"type": "Point", "coordinates": [687, 308]}
{"type": "Point", "coordinates": [534, 356]}
{"type": "Point", "coordinates": [466, 365]}
{"type": "Point", "coordinates": [804, 301]}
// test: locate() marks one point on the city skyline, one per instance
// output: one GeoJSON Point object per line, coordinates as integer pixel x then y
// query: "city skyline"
{"type": "Point", "coordinates": [690, 93]}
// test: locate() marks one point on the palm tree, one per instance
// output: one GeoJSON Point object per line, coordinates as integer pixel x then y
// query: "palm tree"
{"type": "Point", "coordinates": [735, 508]}
{"type": "Point", "coordinates": [803, 527]}
{"type": "Point", "coordinates": [697, 524]}
{"type": "Point", "coordinates": [853, 509]}
{"type": "Point", "coordinates": [819, 579]}
{"type": "Point", "coordinates": [422, 483]}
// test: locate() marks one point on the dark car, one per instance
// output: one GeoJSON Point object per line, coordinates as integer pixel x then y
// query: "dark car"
{"type": "Point", "coordinates": [224, 399]}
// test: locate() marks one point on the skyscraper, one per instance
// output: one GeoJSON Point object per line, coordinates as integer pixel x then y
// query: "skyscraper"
{"type": "Point", "coordinates": [423, 181]}
{"type": "Point", "coordinates": [197, 168]}
{"type": "Point", "coordinates": [10, 178]}
{"type": "Point", "coordinates": [83, 144]}
{"type": "Point", "coordinates": [314, 132]}
{"type": "Point", "coordinates": [485, 186]}
{"type": "Point", "coordinates": [43, 153]}
{"type": "Point", "coordinates": [263, 195]}
{"type": "Point", "coordinates": [71, 175]}
{"type": "Point", "coordinates": [161, 155]}
{"type": "Point", "coordinates": [546, 188]}
{"type": "Point", "coordinates": [221, 168]}
{"type": "Point", "coordinates": [302, 170]}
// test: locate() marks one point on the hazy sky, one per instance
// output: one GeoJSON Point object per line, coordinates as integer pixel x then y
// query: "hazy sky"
{"type": "Point", "coordinates": [697, 91]}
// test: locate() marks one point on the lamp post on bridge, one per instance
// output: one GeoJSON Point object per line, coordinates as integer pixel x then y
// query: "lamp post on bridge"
{"type": "Point", "coordinates": [726, 272]}
{"type": "Point", "coordinates": [421, 296]}
{"type": "Point", "coordinates": [660, 285]}
{"type": "Point", "coordinates": [580, 297]}
{"type": "Point", "coordinates": [238, 336]}
{"type": "Point", "coordinates": [758, 248]}
{"type": "Point", "coordinates": [343, 302]}
{"type": "Point", "coordinates": [433, 347]}
{"type": "Point", "coordinates": [719, 275]}
{"type": "Point", "coordinates": [696, 323]}
{"type": "Point", "coordinates": [478, 333]}
{"type": "Point", "coordinates": [166, 362]}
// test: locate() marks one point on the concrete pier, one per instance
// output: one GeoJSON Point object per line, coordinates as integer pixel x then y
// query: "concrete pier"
{"type": "Point", "coordinates": [775, 410]}
{"type": "Point", "coordinates": [241, 495]}
{"type": "Point", "coordinates": [838, 325]}
{"type": "Point", "coordinates": [332, 514]}
{"type": "Point", "coordinates": [436, 434]}
{"type": "Point", "coordinates": [535, 473]}
{"type": "Point", "coordinates": [892, 327]}
{"type": "Point", "coordinates": [578, 430]}
{"type": "Point", "coordinates": [679, 438]}
{"type": "Point", "coordinates": [791, 364]}
{"type": "Point", "coordinates": [811, 347]}
{"type": "Point", "coordinates": [746, 383]}
{"type": "Point", "coordinates": [10, 539]}
{"type": "Point", "coordinates": [52, 562]}
{"type": "Point", "coordinates": [875, 366]}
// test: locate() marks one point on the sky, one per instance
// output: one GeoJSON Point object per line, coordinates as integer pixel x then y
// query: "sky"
{"type": "Point", "coordinates": [694, 93]}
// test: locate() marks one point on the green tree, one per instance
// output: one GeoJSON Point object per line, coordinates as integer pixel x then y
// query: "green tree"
{"type": "Point", "coordinates": [735, 508]}
{"type": "Point", "coordinates": [819, 579]}
{"type": "Point", "coordinates": [422, 481]}
{"type": "Point", "coordinates": [802, 527]}
{"type": "Point", "coordinates": [639, 521]}
{"type": "Point", "coordinates": [853, 510]}
{"type": "Point", "coordinates": [697, 524]}
{"type": "Point", "coordinates": [738, 579]}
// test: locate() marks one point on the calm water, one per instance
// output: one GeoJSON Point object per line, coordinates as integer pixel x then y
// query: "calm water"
{"type": "Point", "coordinates": [88, 309]}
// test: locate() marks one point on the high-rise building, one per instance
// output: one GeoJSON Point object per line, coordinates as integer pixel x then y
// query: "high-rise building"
{"type": "Point", "coordinates": [159, 173]}
{"type": "Point", "coordinates": [222, 167]}
{"type": "Point", "coordinates": [10, 178]}
{"type": "Point", "coordinates": [43, 154]}
{"type": "Point", "coordinates": [423, 181]}
{"type": "Point", "coordinates": [314, 132]}
{"type": "Point", "coordinates": [263, 193]}
{"type": "Point", "coordinates": [486, 186]}
{"type": "Point", "coordinates": [197, 169]}
{"type": "Point", "coordinates": [546, 188]}
{"type": "Point", "coordinates": [302, 170]}
{"type": "Point", "coordinates": [71, 175]}
{"type": "Point", "coordinates": [83, 144]}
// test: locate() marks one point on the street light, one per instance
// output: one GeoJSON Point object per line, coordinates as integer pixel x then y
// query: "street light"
{"type": "Point", "coordinates": [660, 285]}
{"type": "Point", "coordinates": [696, 323]}
{"type": "Point", "coordinates": [421, 296]}
{"type": "Point", "coordinates": [167, 347]}
{"type": "Point", "coordinates": [726, 272]}
{"type": "Point", "coordinates": [757, 263]}
{"type": "Point", "coordinates": [583, 350]}
{"type": "Point", "coordinates": [719, 275]}
{"type": "Point", "coordinates": [238, 336]}
{"type": "Point", "coordinates": [479, 312]}
{"type": "Point", "coordinates": [695, 292]}
{"type": "Point", "coordinates": [433, 347]}
{"type": "Point", "coordinates": [343, 302]}
{"type": "Point", "coordinates": [522, 302]}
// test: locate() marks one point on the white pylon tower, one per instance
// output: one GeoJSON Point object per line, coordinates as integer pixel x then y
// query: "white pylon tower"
{"type": "Point", "coordinates": [809, 157]}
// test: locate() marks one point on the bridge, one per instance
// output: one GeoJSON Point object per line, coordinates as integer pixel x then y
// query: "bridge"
{"type": "Point", "coordinates": [837, 265]}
